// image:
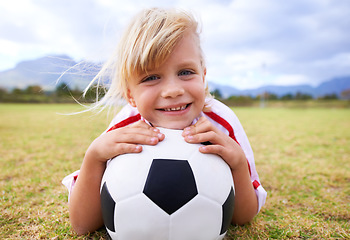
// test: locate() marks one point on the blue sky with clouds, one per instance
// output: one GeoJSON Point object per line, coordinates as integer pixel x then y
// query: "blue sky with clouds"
{"type": "Point", "coordinates": [247, 43]}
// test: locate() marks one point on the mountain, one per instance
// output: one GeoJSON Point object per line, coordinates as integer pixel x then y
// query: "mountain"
{"type": "Point", "coordinates": [46, 72]}
{"type": "Point", "coordinates": [336, 85]}
{"type": "Point", "coordinates": [49, 70]}
{"type": "Point", "coordinates": [332, 86]}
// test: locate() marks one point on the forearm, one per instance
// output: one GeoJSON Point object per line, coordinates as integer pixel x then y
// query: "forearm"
{"type": "Point", "coordinates": [246, 202]}
{"type": "Point", "coordinates": [84, 205]}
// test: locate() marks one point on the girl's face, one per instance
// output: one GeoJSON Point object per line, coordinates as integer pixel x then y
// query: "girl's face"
{"type": "Point", "coordinates": [173, 95]}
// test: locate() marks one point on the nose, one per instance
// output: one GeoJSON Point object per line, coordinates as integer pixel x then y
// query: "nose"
{"type": "Point", "coordinates": [172, 88]}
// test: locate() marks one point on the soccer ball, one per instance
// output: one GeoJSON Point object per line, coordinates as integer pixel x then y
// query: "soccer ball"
{"type": "Point", "coordinates": [168, 191]}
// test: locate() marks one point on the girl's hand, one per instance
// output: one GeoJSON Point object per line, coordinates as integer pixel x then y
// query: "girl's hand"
{"type": "Point", "coordinates": [221, 144]}
{"type": "Point", "coordinates": [85, 204]}
{"type": "Point", "coordinates": [245, 204]}
{"type": "Point", "coordinates": [124, 140]}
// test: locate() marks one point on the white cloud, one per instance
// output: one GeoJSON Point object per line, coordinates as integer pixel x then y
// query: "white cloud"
{"type": "Point", "coordinates": [292, 79]}
{"type": "Point", "coordinates": [247, 42]}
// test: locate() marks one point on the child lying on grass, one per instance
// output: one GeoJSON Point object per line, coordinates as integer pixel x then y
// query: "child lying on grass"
{"type": "Point", "coordinates": [159, 69]}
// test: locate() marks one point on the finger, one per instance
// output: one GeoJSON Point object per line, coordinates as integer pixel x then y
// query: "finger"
{"type": "Point", "coordinates": [217, 150]}
{"type": "Point", "coordinates": [139, 128]}
{"type": "Point", "coordinates": [210, 136]}
{"type": "Point", "coordinates": [202, 125]}
{"type": "Point", "coordinates": [147, 129]}
{"type": "Point", "coordinates": [137, 138]}
{"type": "Point", "coordinates": [141, 131]}
{"type": "Point", "coordinates": [144, 125]}
{"type": "Point", "coordinates": [213, 149]}
{"type": "Point", "coordinates": [124, 148]}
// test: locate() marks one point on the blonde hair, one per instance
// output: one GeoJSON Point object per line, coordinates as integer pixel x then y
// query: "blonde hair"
{"type": "Point", "coordinates": [146, 44]}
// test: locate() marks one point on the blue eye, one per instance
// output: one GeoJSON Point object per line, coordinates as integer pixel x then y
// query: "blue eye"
{"type": "Point", "coordinates": [150, 78]}
{"type": "Point", "coordinates": [185, 72]}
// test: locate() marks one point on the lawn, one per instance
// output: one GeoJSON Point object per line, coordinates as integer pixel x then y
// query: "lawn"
{"type": "Point", "coordinates": [302, 157]}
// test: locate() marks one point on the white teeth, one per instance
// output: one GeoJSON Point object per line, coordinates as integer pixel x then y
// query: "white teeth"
{"type": "Point", "coordinates": [175, 109]}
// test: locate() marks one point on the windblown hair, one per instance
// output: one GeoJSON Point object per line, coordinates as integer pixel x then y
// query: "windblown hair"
{"type": "Point", "coordinates": [146, 44]}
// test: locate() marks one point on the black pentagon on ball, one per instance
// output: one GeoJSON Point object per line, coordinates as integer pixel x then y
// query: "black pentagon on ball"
{"type": "Point", "coordinates": [227, 211]}
{"type": "Point", "coordinates": [107, 206]}
{"type": "Point", "coordinates": [170, 184]}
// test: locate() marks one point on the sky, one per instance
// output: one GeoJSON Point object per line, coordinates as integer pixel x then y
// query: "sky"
{"type": "Point", "coordinates": [247, 43]}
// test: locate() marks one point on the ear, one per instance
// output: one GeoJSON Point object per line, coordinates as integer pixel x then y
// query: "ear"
{"type": "Point", "coordinates": [204, 73]}
{"type": "Point", "coordinates": [130, 99]}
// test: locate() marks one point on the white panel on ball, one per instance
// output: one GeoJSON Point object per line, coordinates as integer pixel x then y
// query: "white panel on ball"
{"type": "Point", "coordinates": [213, 174]}
{"type": "Point", "coordinates": [199, 219]}
{"type": "Point", "coordinates": [140, 219]}
{"type": "Point", "coordinates": [127, 173]}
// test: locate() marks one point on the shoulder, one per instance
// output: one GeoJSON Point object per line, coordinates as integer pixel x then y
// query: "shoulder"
{"type": "Point", "coordinates": [217, 107]}
{"type": "Point", "coordinates": [222, 115]}
{"type": "Point", "coordinates": [127, 115]}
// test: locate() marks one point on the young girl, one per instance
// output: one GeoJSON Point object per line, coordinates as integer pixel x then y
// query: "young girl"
{"type": "Point", "coordinates": [160, 71]}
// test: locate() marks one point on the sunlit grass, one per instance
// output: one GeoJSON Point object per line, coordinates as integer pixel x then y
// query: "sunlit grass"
{"type": "Point", "coordinates": [302, 156]}
{"type": "Point", "coordinates": [38, 148]}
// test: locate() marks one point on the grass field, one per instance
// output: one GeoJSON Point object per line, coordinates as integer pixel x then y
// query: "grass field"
{"type": "Point", "coordinates": [302, 156]}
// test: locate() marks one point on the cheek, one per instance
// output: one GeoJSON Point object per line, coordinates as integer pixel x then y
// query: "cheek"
{"type": "Point", "coordinates": [144, 99]}
{"type": "Point", "coordinates": [199, 91]}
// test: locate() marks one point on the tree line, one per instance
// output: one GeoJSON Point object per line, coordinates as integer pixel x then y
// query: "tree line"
{"type": "Point", "coordinates": [246, 100]}
{"type": "Point", "coordinates": [64, 94]}
{"type": "Point", "coordinates": [61, 94]}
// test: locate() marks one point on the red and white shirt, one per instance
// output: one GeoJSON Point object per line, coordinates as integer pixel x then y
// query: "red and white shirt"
{"type": "Point", "coordinates": [219, 115]}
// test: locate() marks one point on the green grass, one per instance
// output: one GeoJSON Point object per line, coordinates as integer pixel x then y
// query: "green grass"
{"type": "Point", "coordinates": [302, 156]}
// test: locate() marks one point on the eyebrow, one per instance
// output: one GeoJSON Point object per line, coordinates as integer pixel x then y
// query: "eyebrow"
{"type": "Point", "coordinates": [182, 64]}
{"type": "Point", "coordinates": [188, 63]}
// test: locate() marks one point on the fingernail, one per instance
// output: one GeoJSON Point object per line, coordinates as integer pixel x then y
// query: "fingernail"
{"type": "Point", "coordinates": [153, 140]}
{"type": "Point", "coordinates": [138, 148]}
{"type": "Point", "coordinates": [189, 138]}
{"type": "Point", "coordinates": [160, 135]}
{"type": "Point", "coordinates": [187, 132]}
{"type": "Point", "coordinates": [203, 149]}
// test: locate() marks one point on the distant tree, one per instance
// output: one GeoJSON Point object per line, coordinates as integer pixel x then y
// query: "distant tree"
{"type": "Point", "coordinates": [62, 90]}
{"type": "Point", "coordinates": [3, 91]}
{"type": "Point", "coordinates": [17, 91]}
{"type": "Point", "coordinates": [76, 92]}
{"type": "Point", "coordinates": [95, 91]}
{"type": "Point", "coordinates": [329, 96]}
{"type": "Point", "coordinates": [302, 96]}
{"type": "Point", "coordinates": [272, 96]}
{"type": "Point", "coordinates": [216, 93]}
{"type": "Point", "coordinates": [288, 96]}
{"type": "Point", "coordinates": [346, 94]}
{"type": "Point", "coordinates": [241, 100]}
{"type": "Point", "coordinates": [267, 96]}
{"type": "Point", "coordinates": [35, 89]}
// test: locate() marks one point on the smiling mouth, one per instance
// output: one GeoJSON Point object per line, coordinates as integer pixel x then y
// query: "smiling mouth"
{"type": "Point", "coordinates": [174, 109]}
